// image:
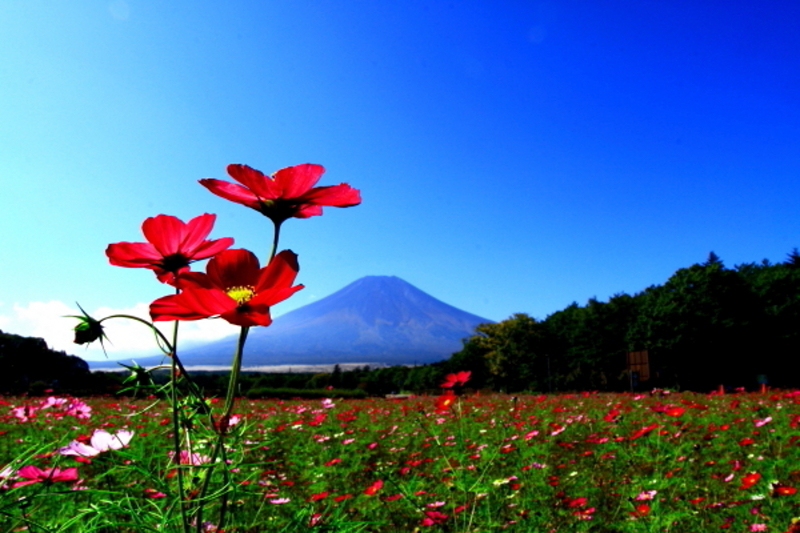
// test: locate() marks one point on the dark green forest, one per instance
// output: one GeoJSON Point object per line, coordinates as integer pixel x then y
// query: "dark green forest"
{"type": "Point", "coordinates": [707, 325]}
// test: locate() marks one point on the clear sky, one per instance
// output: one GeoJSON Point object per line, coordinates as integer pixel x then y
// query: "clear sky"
{"type": "Point", "coordinates": [513, 156]}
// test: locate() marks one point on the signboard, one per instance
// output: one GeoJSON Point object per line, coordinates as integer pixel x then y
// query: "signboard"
{"type": "Point", "coordinates": [638, 363]}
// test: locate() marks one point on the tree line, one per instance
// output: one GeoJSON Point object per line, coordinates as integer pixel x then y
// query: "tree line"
{"type": "Point", "coordinates": [706, 325]}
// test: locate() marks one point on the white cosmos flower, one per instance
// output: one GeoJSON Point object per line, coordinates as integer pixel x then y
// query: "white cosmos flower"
{"type": "Point", "coordinates": [101, 441]}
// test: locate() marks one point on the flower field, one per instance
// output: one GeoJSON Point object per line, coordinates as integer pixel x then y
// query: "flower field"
{"type": "Point", "coordinates": [549, 463]}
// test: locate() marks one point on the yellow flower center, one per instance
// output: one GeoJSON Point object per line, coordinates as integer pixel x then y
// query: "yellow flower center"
{"type": "Point", "coordinates": [241, 294]}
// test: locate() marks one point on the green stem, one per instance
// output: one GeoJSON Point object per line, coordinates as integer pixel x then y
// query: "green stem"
{"type": "Point", "coordinates": [236, 367]}
{"type": "Point", "coordinates": [167, 348]}
{"type": "Point", "coordinates": [176, 428]}
{"type": "Point", "coordinates": [275, 236]}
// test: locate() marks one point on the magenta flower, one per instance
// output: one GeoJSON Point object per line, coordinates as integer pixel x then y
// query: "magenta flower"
{"type": "Point", "coordinates": [33, 474]}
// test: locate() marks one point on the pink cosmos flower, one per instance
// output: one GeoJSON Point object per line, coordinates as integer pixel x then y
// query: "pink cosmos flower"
{"type": "Point", "coordinates": [195, 459]}
{"type": "Point", "coordinates": [33, 474]}
{"type": "Point", "coordinates": [4, 475]}
{"type": "Point", "coordinates": [762, 421]}
{"type": "Point", "coordinates": [101, 441]}
{"type": "Point", "coordinates": [24, 412]}
{"type": "Point", "coordinates": [78, 409]}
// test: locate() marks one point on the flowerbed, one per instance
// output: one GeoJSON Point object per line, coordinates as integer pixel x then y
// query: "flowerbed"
{"type": "Point", "coordinates": [570, 462]}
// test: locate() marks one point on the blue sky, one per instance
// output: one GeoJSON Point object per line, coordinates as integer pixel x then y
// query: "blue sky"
{"type": "Point", "coordinates": [512, 156]}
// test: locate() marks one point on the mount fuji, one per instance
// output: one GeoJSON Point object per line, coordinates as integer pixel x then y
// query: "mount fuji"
{"type": "Point", "coordinates": [377, 320]}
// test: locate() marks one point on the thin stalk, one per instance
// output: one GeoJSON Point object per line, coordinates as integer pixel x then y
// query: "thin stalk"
{"type": "Point", "coordinates": [236, 367]}
{"type": "Point", "coordinates": [275, 236]}
{"type": "Point", "coordinates": [166, 347]}
{"type": "Point", "coordinates": [176, 428]}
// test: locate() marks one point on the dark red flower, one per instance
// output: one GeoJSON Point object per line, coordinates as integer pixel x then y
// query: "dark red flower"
{"type": "Point", "coordinates": [233, 288]}
{"type": "Point", "coordinates": [172, 245]}
{"type": "Point", "coordinates": [287, 193]}
{"type": "Point", "coordinates": [458, 378]}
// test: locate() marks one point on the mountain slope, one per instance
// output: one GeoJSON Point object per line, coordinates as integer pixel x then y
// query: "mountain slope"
{"type": "Point", "coordinates": [375, 319]}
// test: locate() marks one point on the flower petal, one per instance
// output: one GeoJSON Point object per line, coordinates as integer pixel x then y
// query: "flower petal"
{"type": "Point", "coordinates": [191, 304]}
{"type": "Point", "coordinates": [279, 273]}
{"type": "Point", "coordinates": [194, 233]}
{"type": "Point", "coordinates": [295, 181]}
{"type": "Point", "coordinates": [249, 315]}
{"type": "Point", "coordinates": [208, 249]}
{"type": "Point", "coordinates": [165, 232]}
{"type": "Point", "coordinates": [233, 268]}
{"type": "Point", "coordinates": [262, 186]}
{"type": "Point", "coordinates": [231, 191]}
{"type": "Point", "coordinates": [342, 195]}
{"type": "Point", "coordinates": [132, 254]}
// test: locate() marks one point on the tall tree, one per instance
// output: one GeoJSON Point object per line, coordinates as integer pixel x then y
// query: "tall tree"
{"type": "Point", "coordinates": [700, 328]}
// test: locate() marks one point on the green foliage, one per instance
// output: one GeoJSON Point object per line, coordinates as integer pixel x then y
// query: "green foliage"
{"type": "Point", "coordinates": [706, 325]}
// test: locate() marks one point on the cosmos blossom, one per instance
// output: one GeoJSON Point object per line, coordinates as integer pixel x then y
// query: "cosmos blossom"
{"type": "Point", "coordinates": [186, 458]}
{"type": "Point", "coordinates": [171, 246]}
{"type": "Point", "coordinates": [287, 193]}
{"type": "Point", "coordinates": [458, 378]}
{"type": "Point", "coordinates": [234, 288]}
{"type": "Point", "coordinates": [444, 401]}
{"type": "Point", "coordinates": [33, 474]}
{"type": "Point", "coordinates": [749, 480]}
{"type": "Point", "coordinates": [373, 488]}
{"type": "Point", "coordinates": [101, 441]}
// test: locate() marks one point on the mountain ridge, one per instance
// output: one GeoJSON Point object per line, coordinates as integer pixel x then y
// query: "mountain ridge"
{"type": "Point", "coordinates": [375, 319]}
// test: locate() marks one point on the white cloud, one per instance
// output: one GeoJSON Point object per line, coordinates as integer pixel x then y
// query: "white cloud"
{"type": "Point", "coordinates": [50, 321]}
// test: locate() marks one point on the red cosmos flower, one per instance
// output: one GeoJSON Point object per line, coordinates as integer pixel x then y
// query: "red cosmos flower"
{"type": "Point", "coordinates": [288, 193]}
{"type": "Point", "coordinates": [641, 509]}
{"type": "Point", "coordinates": [33, 474]}
{"type": "Point", "coordinates": [459, 378]}
{"type": "Point", "coordinates": [172, 245]}
{"type": "Point", "coordinates": [233, 288]}
{"type": "Point", "coordinates": [749, 480]}
{"type": "Point", "coordinates": [674, 411]}
{"type": "Point", "coordinates": [444, 401]}
{"type": "Point", "coordinates": [783, 490]}
{"type": "Point", "coordinates": [433, 518]}
{"type": "Point", "coordinates": [375, 487]}
{"type": "Point", "coordinates": [643, 431]}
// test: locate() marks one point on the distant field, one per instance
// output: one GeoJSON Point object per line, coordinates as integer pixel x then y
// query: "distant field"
{"type": "Point", "coordinates": [549, 463]}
